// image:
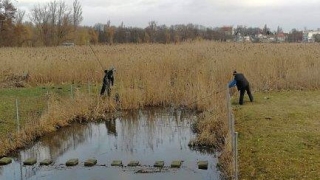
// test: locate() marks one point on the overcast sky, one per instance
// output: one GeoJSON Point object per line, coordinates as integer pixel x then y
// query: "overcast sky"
{"type": "Point", "coordinates": [287, 14]}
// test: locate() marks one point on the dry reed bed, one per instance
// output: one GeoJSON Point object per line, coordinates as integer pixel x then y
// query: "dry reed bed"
{"type": "Point", "coordinates": [186, 74]}
{"type": "Point", "coordinates": [268, 66]}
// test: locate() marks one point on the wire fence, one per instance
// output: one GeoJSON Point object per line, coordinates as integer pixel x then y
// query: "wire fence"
{"type": "Point", "coordinates": [26, 107]}
{"type": "Point", "coordinates": [233, 135]}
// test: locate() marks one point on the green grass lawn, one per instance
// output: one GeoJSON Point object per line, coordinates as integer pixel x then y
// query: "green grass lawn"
{"type": "Point", "coordinates": [32, 102]}
{"type": "Point", "coordinates": [279, 135]}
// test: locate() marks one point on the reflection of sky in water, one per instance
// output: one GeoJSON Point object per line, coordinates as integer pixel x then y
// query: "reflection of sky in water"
{"type": "Point", "coordinates": [146, 136]}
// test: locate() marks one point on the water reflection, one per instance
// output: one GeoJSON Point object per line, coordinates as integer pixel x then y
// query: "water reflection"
{"type": "Point", "coordinates": [144, 135]}
{"type": "Point", "coordinates": [111, 126]}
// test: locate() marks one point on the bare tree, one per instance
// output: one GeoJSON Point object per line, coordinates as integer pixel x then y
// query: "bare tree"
{"type": "Point", "coordinates": [20, 16]}
{"type": "Point", "coordinates": [151, 30]}
{"type": "Point", "coordinates": [52, 13]}
{"type": "Point", "coordinates": [53, 21]}
{"type": "Point", "coordinates": [40, 17]}
{"type": "Point", "coordinates": [64, 22]}
{"type": "Point", "coordinates": [77, 14]}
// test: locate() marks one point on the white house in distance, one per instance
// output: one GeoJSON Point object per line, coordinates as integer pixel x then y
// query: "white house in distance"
{"type": "Point", "coordinates": [308, 36]}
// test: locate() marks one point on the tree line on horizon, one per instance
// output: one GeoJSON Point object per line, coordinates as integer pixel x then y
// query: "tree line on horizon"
{"type": "Point", "coordinates": [55, 23]}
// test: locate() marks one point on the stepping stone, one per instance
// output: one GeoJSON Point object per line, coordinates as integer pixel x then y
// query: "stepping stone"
{"type": "Point", "coordinates": [90, 162]}
{"type": "Point", "coordinates": [30, 161]}
{"type": "Point", "coordinates": [116, 163]}
{"type": "Point", "coordinates": [202, 164]}
{"type": "Point", "coordinates": [159, 164]}
{"type": "Point", "coordinates": [134, 163]}
{"type": "Point", "coordinates": [176, 164]}
{"type": "Point", "coordinates": [46, 162]}
{"type": "Point", "coordinates": [5, 161]}
{"type": "Point", "coordinates": [72, 162]}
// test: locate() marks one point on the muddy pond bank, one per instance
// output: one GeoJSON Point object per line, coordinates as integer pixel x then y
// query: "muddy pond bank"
{"type": "Point", "coordinates": [145, 136]}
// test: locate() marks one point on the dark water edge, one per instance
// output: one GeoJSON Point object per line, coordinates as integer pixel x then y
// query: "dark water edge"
{"type": "Point", "coordinates": [146, 136]}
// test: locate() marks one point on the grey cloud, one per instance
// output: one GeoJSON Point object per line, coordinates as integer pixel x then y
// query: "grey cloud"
{"type": "Point", "coordinates": [288, 14]}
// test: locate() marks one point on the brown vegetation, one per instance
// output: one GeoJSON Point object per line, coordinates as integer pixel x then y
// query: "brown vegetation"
{"type": "Point", "coordinates": [194, 75]}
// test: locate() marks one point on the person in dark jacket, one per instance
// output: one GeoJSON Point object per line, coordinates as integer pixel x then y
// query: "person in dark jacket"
{"type": "Point", "coordinates": [242, 85]}
{"type": "Point", "coordinates": [108, 80]}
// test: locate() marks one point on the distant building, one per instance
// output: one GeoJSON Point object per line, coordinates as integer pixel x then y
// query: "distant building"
{"type": "Point", "coordinates": [238, 38]}
{"type": "Point", "coordinates": [247, 39]}
{"type": "Point", "coordinates": [241, 38]}
{"type": "Point", "coordinates": [227, 30]}
{"type": "Point", "coordinates": [281, 37]}
{"type": "Point", "coordinates": [68, 44]}
{"type": "Point", "coordinates": [308, 36]}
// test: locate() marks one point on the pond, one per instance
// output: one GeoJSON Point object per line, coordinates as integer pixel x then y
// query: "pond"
{"type": "Point", "coordinates": [146, 136]}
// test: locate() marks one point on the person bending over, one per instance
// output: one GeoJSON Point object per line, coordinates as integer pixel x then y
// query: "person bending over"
{"type": "Point", "coordinates": [242, 85]}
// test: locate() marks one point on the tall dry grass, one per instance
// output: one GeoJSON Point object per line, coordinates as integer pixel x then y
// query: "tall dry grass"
{"type": "Point", "coordinates": [190, 66]}
{"type": "Point", "coordinates": [186, 74]}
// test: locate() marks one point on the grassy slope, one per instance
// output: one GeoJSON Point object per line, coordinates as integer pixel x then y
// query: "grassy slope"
{"type": "Point", "coordinates": [279, 135]}
{"type": "Point", "coordinates": [29, 101]}
{"type": "Point", "coordinates": [32, 101]}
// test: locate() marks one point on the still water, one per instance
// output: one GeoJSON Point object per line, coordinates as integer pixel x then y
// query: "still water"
{"type": "Point", "coordinates": [144, 135]}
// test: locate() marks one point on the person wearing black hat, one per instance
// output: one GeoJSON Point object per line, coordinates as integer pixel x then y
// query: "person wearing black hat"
{"type": "Point", "coordinates": [242, 85]}
{"type": "Point", "coordinates": [108, 80]}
